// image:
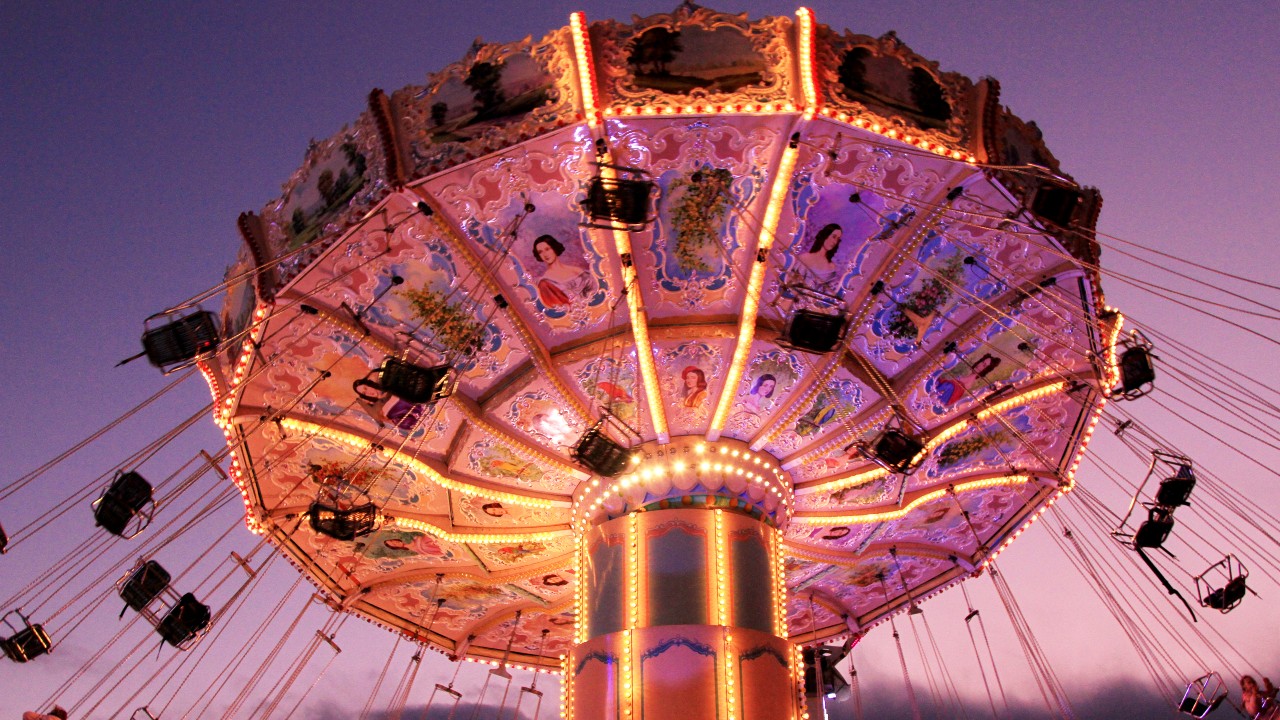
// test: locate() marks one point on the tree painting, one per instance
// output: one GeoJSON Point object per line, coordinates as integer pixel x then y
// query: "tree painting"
{"type": "Point", "coordinates": [654, 50]}
{"type": "Point", "coordinates": [853, 71]}
{"type": "Point", "coordinates": [926, 93]}
{"type": "Point", "coordinates": [438, 112]}
{"type": "Point", "coordinates": [485, 80]}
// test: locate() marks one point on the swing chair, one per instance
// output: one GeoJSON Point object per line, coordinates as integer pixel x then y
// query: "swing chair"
{"type": "Point", "coordinates": [814, 331]}
{"type": "Point", "coordinates": [175, 339]}
{"type": "Point", "coordinates": [1203, 695]}
{"type": "Point", "coordinates": [448, 689]}
{"type": "Point", "coordinates": [598, 451]}
{"type": "Point", "coordinates": [1220, 596]}
{"type": "Point", "coordinates": [530, 691]}
{"type": "Point", "coordinates": [896, 448]}
{"type": "Point", "coordinates": [1137, 372]}
{"type": "Point", "coordinates": [499, 672]}
{"type": "Point", "coordinates": [1174, 491]}
{"type": "Point", "coordinates": [342, 511]}
{"type": "Point", "coordinates": [181, 620]}
{"type": "Point", "coordinates": [126, 506]}
{"type": "Point", "coordinates": [620, 202]}
{"type": "Point", "coordinates": [25, 643]}
{"type": "Point", "coordinates": [414, 384]}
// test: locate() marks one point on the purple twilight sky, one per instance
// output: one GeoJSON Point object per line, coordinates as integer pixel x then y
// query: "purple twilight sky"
{"type": "Point", "coordinates": [135, 133]}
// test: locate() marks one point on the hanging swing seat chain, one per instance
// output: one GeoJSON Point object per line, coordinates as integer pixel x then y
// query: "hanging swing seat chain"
{"type": "Point", "coordinates": [1165, 581]}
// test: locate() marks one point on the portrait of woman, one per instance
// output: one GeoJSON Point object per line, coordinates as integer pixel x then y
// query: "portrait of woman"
{"type": "Point", "coordinates": [816, 269]}
{"type": "Point", "coordinates": [561, 283]}
{"type": "Point", "coordinates": [695, 386]}
{"type": "Point", "coordinates": [760, 398]}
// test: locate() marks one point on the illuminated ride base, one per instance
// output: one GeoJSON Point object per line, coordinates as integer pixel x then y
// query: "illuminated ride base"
{"type": "Point", "coordinates": [861, 347]}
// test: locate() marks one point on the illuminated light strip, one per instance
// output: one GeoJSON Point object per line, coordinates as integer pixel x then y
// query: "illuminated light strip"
{"type": "Point", "coordinates": [586, 67]}
{"type": "Point", "coordinates": [731, 690]}
{"type": "Point", "coordinates": [751, 303]}
{"type": "Point", "coordinates": [797, 681]}
{"type": "Point", "coordinates": [893, 133]}
{"type": "Point", "coordinates": [535, 350]}
{"type": "Point", "coordinates": [356, 442]}
{"type": "Point", "coordinates": [633, 574]}
{"type": "Point", "coordinates": [812, 99]}
{"type": "Point", "coordinates": [942, 436]}
{"type": "Point", "coordinates": [475, 538]}
{"type": "Point", "coordinates": [639, 324]}
{"type": "Point", "coordinates": [1018, 479]}
{"type": "Point", "coordinates": [224, 403]}
{"type": "Point", "coordinates": [1112, 368]}
{"type": "Point", "coordinates": [566, 687]}
{"type": "Point", "coordinates": [719, 562]}
{"type": "Point", "coordinates": [580, 618]}
{"type": "Point", "coordinates": [628, 697]}
{"type": "Point", "coordinates": [593, 494]}
{"type": "Point", "coordinates": [779, 586]}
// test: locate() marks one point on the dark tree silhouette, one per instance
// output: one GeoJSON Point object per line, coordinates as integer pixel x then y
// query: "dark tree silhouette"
{"type": "Point", "coordinates": [927, 95]}
{"type": "Point", "coordinates": [853, 71]}
{"type": "Point", "coordinates": [299, 221]}
{"type": "Point", "coordinates": [485, 79]}
{"type": "Point", "coordinates": [325, 185]}
{"type": "Point", "coordinates": [655, 48]}
{"type": "Point", "coordinates": [438, 112]}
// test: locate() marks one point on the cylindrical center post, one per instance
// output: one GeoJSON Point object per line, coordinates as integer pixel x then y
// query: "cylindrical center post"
{"type": "Point", "coordinates": [682, 603]}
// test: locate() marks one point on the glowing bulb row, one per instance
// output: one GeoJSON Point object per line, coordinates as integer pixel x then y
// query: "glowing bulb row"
{"type": "Point", "coordinates": [356, 442]}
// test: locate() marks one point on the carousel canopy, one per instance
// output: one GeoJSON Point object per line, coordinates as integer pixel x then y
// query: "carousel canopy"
{"type": "Point", "coordinates": [756, 259]}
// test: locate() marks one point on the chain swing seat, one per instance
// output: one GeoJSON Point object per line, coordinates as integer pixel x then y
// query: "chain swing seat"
{"type": "Point", "coordinates": [25, 643]}
{"type": "Point", "coordinates": [897, 447]}
{"type": "Point", "coordinates": [146, 582]}
{"type": "Point", "coordinates": [1203, 695]}
{"type": "Point", "coordinates": [414, 384]}
{"type": "Point", "coordinates": [598, 451]}
{"type": "Point", "coordinates": [342, 511]}
{"type": "Point", "coordinates": [181, 620]}
{"type": "Point", "coordinates": [621, 202]}
{"type": "Point", "coordinates": [1137, 371]}
{"type": "Point", "coordinates": [126, 506]}
{"type": "Point", "coordinates": [175, 339]}
{"type": "Point", "coordinates": [1223, 597]}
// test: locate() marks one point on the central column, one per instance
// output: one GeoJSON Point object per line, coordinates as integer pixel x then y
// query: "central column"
{"type": "Point", "coordinates": [681, 603]}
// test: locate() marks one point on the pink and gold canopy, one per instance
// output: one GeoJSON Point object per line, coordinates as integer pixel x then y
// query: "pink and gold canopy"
{"type": "Point", "coordinates": [795, 168]}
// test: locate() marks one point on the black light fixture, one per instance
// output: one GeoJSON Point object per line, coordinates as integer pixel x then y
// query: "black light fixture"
{"type": "Point", "coordinates": [1155, 529]}
{"type": "Point", "coordinates": [143, 585]}
{"type": "Point", "coordinates": [412, 383]}
{"type": "Point", "coordinates": [184, 622]}
{"type": "Point", "coordinates": [599, 453]}
{"type": "Point", "coordinates": [125, 507]}
{"type": "Point", "coordinates": [1175, 490]}
{"type": "Point", "coordinates": [173, 340]}
{"type": "Point", "coordinates": [814, 331]}
{"type": "Point", "coordinates": [620, 202]}
{"type": "Point", "coordinates": [24, 643]}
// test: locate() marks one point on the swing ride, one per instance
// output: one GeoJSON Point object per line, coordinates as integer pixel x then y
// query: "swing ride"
{"type": "Point", "coordinates": [591, 359]}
